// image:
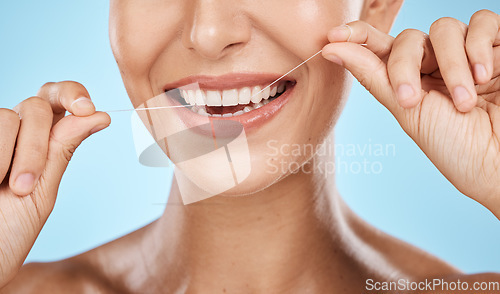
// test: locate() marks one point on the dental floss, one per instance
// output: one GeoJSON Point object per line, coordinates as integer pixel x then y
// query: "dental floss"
{"type": "Point", "coordinates": [292, 70]}
{"type": "Point", "coordinates": [149, 108]}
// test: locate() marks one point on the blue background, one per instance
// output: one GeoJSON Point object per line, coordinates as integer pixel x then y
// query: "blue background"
{"type": "Point", "coordinates": [106, 193]}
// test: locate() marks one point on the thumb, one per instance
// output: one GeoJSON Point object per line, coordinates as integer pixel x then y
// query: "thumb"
{"type": "Point", "coordinates": [65, 137]}
{"type": "Point", "coordinates": [367, 68]}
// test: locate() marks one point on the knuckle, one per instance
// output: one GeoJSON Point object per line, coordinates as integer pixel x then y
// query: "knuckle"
{"type": "Point", "coordinates": [65, 151]}
{"type": "Point", "coordinates": [37, 102]}
{"type": "Point", "coordinates": [72, 84]}
{"type": "Point", "coordinates": [443, 23]}
{"type": "Point", "coordinates": [45, 89]}
{"type": "Point", "coordinates": [358, 23]}
{"type": "Point", "coordinates": [411, 32]}
{"type": "Point", "coordinates": [47, 85]}
{"type": "Point", "coordinates": [368, 80]}
{"type": "Point", "coordinates": [483, 13]}
{"type": "Point", "coordinates": [407, 34]}
{"type": "Point", "coordinates": [37, 105]}
{"type": "Point", "coordinates": [361, 26]}
{"type": "Point", "coordinates": [52, 90]}
{"type": "Point", "coordinates": [36, 109]}
{"type": "Point", "coordinates": [9, 116]}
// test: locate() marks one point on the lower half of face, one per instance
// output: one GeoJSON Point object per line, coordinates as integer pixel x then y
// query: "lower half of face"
{"type": "Point", "coordinates": [229, 133]}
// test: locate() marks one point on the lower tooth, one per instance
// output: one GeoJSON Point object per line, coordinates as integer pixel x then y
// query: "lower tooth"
{"type": "Point", "coordinates": [258, 105]}
{"type": "Point", "coordinates": [216, 115]}
{"type": "Point", "coordinates": [247, 109]}
{"type": "Point", "coordinates": [238, 113]}
{"type": "Point", "coordinates": [227, 115]}
{"type": "Point", "coordinates": [202, 111]}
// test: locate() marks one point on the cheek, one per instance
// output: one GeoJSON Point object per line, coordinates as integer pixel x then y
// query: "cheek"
{"type": "Point", "coordinates": [328, 89]}
{"type": "Point", "coordinates": [139, 32]}
{"type": "Point", "coordinates": [302, 25]}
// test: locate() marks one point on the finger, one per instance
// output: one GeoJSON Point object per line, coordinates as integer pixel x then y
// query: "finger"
{"type": "Point", "coordinates": [67, 96]}
{"type": "Point", "coordinates": [360, 32]}
{"type": "Point", "coordinates": [404, 66]}
{"type": "Point", "coordinates": [481, 37]}
{"type": "Point", "coordinates": [65, 137]}
{"type": "Point", "coordinates": [366, 67]}
{"type": "Point", "coordinates": [9, 126]}
{"type": "Point", "coordinates": [32, 144]}
{"type": "Point", "coordinates": [496, 62]}
{"type": "Point", "coordinates": [448, 40]}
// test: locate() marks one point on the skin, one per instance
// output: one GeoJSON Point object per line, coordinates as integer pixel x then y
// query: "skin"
{"type": "Point", "coordinates": [296, 236]}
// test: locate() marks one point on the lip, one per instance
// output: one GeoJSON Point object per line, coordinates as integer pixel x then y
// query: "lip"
{"type": "Point", "coordinates": [227, 81]}
{"type": "Point", "coordinates": [251, 120]}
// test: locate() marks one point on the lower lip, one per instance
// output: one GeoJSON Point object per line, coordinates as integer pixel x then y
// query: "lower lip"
{"type": "Point", "coordinates": [250, 120]}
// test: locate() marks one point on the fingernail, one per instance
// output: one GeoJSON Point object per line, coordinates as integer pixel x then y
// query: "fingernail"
{"type": "Point", "coordinates": [461, 95]}
{"type": "Point", "coordinates": [98, 129]}
{"type": "Point", "coordinates": [405, 92]}
{"type": "Point", "coordinates": [82, 103]}
{"type": "Point", "coordinates": [340, 33]}
{"type": "Point", "coordinates": [25, 182]}
{"type": "Point", "coordinates": [334, 59]}
{"type": "Point", "coordinates": [481, 72]}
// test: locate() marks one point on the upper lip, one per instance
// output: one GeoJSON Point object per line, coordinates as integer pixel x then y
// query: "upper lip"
{"type": "Point", "coordinates": [227, 81]}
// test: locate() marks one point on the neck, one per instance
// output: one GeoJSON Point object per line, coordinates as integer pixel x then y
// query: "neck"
{"type": "Point", "coordinates": [279, 239]}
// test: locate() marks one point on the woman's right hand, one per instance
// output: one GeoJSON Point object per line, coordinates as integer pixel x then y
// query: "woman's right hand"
{"type": "Point", "coordinates": [37, 141]}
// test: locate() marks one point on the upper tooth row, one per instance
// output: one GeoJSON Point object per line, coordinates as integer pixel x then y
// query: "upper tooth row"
{"type": "Point", "coordinates": [231, 97]}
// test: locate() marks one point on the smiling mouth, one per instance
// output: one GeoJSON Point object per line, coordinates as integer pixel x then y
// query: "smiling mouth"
{"type": "Point", "coordinates": [232, 102]}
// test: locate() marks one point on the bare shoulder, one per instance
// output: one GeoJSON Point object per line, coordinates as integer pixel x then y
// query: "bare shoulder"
{"type": "Point", "coordinates": [98, 271]}
{"type": "Point", "coordinates": [67, 276]}
{"type": "Point", "coordinates": [395, 257]}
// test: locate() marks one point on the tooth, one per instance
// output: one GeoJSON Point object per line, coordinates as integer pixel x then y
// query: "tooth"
{"type": "Point", "coordinates": [266, 93]}
{"type": "Point", "coordinates": [214, 98]}
{"type": "Point", "coordinates": [200, 97]}
{"type": "Point", "coordinates": [227, 115]}
{"type": "Point", "coordinates": [202, 111]}
{"type": "Point", "coordinates": [245, 95]}
{"type": "Point", "coordinates": [258, 105]}
{"type": "Point", "coordinates": [194, 109]}
{"type": "Point", "coordinates": [256, 98]}
{"type": "Point", "coordinates": [230, 97]}
{"type": "Point", "coordinates": [192, 97]}
{"type": "Point", "coordinates": [184, 95]}
{"type": "Point", "coordinates": [247, 109]}
{"type": "Point", "coordinates": [216, 115]}
{"type": "Point", "coordinates": [281, 88]}
{"type": "Point", "coordinates": [238, 113]}
{"type": "Point", "coordinates": [265, 102]}
{"type": "Point", "coordinates": [274, 90]}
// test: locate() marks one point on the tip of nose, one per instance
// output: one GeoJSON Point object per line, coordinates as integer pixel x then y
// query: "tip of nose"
{"type": "Point", "coordinates": [216, 41]}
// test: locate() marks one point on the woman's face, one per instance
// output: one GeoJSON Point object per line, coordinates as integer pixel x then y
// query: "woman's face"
{"type": "Point", "coordinates": [231, 48]}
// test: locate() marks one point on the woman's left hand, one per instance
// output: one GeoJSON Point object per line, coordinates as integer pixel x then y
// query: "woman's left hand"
{"type": "Point", "coordinates": [443, 88]}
